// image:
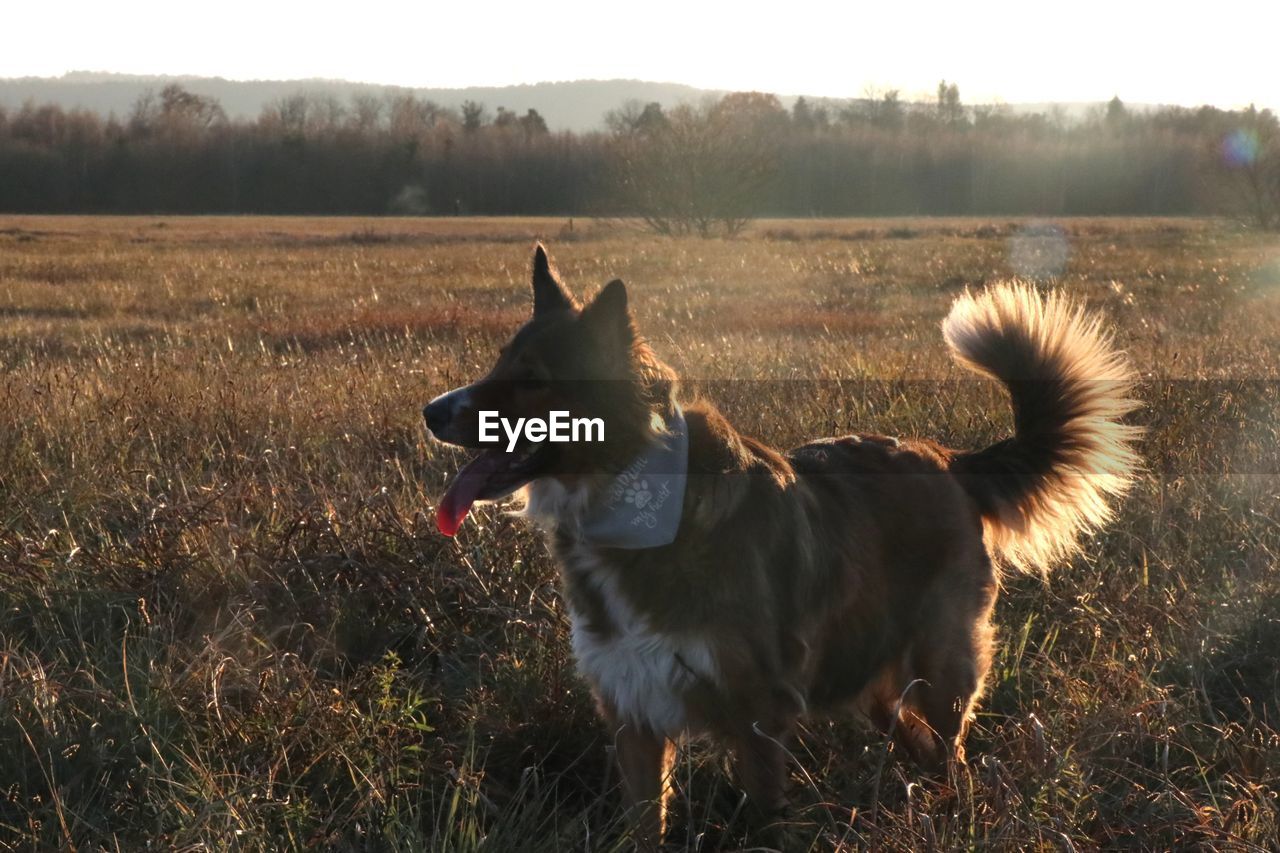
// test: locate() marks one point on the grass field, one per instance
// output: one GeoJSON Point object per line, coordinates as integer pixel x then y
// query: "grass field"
{"type": "Point", "coordinates": [227, 620]}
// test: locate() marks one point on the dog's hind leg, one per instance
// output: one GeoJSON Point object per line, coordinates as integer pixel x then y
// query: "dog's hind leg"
{"type": "Point", "coordinates": [953, 656]}
{"type": "Point", "coordinates": [891, 703]}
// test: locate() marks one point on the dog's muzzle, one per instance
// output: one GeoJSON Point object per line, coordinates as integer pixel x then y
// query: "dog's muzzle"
{"type": "Point", "coordinates": [441, 414]}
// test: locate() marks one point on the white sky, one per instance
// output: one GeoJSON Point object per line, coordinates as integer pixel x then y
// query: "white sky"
{"type": "Point", "coordinates": [1222, 53]}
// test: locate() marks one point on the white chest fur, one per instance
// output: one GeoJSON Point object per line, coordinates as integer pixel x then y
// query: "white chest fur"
{"type": "Point", "coordinates": [641, 673]}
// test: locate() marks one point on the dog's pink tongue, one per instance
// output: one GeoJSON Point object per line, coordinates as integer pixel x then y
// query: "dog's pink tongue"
{"type": "Point", "coordinates": [464, 490]}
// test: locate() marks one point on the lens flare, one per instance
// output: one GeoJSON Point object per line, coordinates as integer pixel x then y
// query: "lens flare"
{"type": "Point", "coordinates": [1240, 148]}
{"type": "Point", "coordinates": [1039, 251]}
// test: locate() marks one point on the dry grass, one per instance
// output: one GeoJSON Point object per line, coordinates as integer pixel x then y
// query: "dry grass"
{"type": "Point", "coordinates": [226, 620]}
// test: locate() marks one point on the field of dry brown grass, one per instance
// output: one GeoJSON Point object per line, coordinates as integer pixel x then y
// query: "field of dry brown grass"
{"type": "Point", "coordinates": [227, 620]}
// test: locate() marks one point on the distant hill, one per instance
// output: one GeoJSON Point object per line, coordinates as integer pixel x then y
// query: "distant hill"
{"type": "Point", "coordinates": [576, 105]}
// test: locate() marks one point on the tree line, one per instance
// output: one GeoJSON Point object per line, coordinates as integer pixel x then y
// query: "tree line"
{"type": "Point", "coordinates": [695, 168]}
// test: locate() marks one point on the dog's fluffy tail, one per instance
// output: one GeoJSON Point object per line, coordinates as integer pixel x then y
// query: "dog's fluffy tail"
{"type": "Point", "coordinates": [1070, 455]}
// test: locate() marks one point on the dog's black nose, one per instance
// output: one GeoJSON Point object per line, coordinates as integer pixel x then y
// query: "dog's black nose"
{"type": "Point", "coordinates": [437, 414]}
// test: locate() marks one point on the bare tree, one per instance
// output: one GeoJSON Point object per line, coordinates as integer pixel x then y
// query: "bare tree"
{"type": "Point", "coordinates": [881, 108]}
{"type": "Point", "coordinates": [288, 113]}
{"type": "Point", "coordinates": [366, 112]}
{"type": "Point", "coordinates": [175, 110]}
{"type": "Point", "coordinates": [698, 169]}
{"type": "Point", "coordinates": [410, 116]}
{"type": "Point", "coordinates": [634, 117]}
{"type": "Point", "coordinates": [1249, 161]}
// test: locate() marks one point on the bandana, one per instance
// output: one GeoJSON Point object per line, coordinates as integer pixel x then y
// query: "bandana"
{"type": "Point", "coordinates": [642, 506]}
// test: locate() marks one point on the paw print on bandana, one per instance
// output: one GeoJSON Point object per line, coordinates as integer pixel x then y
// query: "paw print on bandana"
{"type": "Point", "coordinates": [638, 494]}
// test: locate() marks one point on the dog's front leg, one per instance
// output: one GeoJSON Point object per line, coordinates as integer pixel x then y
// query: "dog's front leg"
{"type": "Point", "coordinates": [645, 760]}
{"type": "Point", "coordinates": [761, 761]}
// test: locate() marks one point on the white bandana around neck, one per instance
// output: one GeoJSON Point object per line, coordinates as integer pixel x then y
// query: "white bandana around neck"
{"type": "Point", "coordinates": [641, 507]}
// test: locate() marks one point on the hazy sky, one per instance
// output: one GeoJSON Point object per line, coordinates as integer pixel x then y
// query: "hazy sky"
{"type": "Point", "coordinates": [1221, 53]}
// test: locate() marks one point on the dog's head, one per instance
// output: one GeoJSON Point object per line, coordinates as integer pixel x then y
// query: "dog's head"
{"type": "Point", "coordinates": [584, 361]}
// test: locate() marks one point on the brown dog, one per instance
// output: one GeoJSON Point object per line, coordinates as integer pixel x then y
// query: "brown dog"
{"type": "Point", "coordinates": [759, 585]}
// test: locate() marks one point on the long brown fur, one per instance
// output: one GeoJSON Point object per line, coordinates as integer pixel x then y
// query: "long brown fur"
{"type": "Point", "coordinates": [851, 572]}
{"type": "Point", "coordinates": [1070, 455]}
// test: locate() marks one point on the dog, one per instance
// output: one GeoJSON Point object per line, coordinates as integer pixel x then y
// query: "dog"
{"type": "Point", "coordinates": [857, 572]}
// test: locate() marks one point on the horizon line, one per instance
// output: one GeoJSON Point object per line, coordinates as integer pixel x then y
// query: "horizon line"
{"type": "Point", "coordinates": [913, 97]}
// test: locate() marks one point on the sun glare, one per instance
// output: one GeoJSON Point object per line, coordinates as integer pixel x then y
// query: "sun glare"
{"type": "Point", "coordinates": [997, 51]}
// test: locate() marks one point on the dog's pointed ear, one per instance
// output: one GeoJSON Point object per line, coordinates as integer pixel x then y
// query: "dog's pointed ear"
{"type": "Point", "coordinates": [608, 314]}
{"type": "Point", "coordinates": [548, 293]}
